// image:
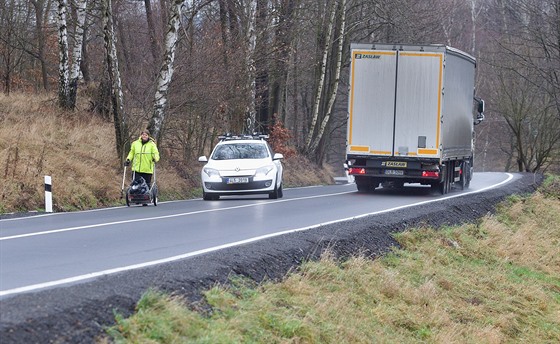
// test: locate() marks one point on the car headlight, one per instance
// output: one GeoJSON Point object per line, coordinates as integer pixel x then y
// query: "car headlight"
{"type": "Point", "coordinates": [263, 171]}
{"type": "Point", "coordinates": [210, 172]}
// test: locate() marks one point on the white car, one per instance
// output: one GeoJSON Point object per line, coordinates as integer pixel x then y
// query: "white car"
{"type": "Point", "coordinates": [242, 165]}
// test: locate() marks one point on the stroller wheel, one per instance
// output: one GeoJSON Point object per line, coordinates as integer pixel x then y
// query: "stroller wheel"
{"type": "Point", "coordinates": [126, 199]}
{"type": "Point", "coordinates": [154, 195]}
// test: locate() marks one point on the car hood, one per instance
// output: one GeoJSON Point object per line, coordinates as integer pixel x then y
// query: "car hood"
{"type": "Point", "coordinates": [238, 167]}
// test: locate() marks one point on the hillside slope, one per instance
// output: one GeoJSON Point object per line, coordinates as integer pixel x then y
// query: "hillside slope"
{"type": "Point", "coordinates": [77, 149]}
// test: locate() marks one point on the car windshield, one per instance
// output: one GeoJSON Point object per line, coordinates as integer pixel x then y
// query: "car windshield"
{"type": "Point", "coordinates": [240, 151]}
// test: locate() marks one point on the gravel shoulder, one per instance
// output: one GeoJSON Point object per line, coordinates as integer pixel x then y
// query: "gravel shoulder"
{"type": "Point", "coordinates": [80, 313]}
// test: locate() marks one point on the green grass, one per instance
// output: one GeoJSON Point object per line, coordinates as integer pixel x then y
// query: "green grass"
{"type": "Point", "coordinates": [492, 282]}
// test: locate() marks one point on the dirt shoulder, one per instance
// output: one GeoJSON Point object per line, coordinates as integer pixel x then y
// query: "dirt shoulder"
{"type": "Point", "coordinates": [80, 313]}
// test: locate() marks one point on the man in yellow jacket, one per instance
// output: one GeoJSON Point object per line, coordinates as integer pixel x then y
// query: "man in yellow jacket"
{"type": "Point", "coordinates": [143, 154]}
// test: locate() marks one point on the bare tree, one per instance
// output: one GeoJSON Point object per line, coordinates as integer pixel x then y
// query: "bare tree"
{"type": "Point", "coordinates": [166, 70]}
{"type": "Point", "coordinates": [42, 9]}
{"type": "Point", "coordinates": [77, 50]}
{"type": "Point", "coordinates": [283, 51]}
{"type": "Point", "coordinates": [117, 98]}
{"type": "Point", "coordinates": [11, 21]}
{"type": "Point", "coordinates": [313, 141]}
{"type": "Point", "coordinates": [63, 69]}
{"type": "Point", "coordinates": [154, 47]}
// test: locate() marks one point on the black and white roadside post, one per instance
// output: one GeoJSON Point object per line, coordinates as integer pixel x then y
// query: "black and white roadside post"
{"type": "Point", "coordinates": [48, 194]}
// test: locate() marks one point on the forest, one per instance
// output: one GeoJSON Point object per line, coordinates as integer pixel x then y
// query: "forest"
{"type": "Point", "coordinates": [190, 70]}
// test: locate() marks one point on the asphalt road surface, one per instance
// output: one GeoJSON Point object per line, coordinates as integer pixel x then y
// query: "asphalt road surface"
{"type": "Point", "coordinates": [47, 251]}
{"type": "Point", "coordinates": [64, 276]}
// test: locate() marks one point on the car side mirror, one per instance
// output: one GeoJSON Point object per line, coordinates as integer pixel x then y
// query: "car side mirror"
{"type": "Point", "coordinates": [278, 156]}
{"type": "Point", "coordinates": [203, 159]}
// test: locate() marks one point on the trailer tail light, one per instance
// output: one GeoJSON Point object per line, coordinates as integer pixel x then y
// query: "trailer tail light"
{"type": "Point", "coordinates": [356, 170]}
{"type": "Point", "coordinates": [430, 174]}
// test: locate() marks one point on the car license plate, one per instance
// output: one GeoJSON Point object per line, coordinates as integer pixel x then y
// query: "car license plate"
{"type": "Point", "coordinates": [237, 180]}
{"type": "Point", "coordinates": [395, 172]}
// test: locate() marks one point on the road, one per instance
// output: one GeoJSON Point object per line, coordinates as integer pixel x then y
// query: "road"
{"type": "Point", "coordinates": [47, 251]}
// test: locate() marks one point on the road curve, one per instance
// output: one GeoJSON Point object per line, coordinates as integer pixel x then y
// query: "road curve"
{"type": "Point", "coordinates": [47, 251]}
{"type": "Point", "coordinates": [104, 260]}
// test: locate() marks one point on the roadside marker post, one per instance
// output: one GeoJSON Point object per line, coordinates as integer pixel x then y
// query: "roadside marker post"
{"type": "Point", "coordinates": [48, 194]}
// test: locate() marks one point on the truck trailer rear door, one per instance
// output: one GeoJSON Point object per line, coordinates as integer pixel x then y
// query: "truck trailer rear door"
{"type": "Point", "coordinates": [372, 102]}
{"type": "Point", "coordinates": [418, 104]}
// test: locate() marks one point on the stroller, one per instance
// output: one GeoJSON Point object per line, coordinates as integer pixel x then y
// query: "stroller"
{"type": "Point", "coordinates": [139, 192]}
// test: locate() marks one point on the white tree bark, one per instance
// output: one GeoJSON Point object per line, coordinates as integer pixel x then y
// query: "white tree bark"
{"type": "Point", "coordinates": [166, 70]}
{"type": "Point", "coordinates": [476, 8]}
{"type": "Point", "coordinates": [117, 98]}
{"type": "Point", "coordinates": [63, 72]}
{"type": "Point", "coordinates": [322, 77]}
{"type": "Point", "coordinates": [332, 96]}
{"type": "Point", "coordinates": [77, 51]}
{"type": "Point", "coordinates": [251, 112]}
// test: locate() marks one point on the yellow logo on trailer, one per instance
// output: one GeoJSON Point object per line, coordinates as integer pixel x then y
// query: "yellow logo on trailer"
{"type": "Point", "coordinates": [401, 164]}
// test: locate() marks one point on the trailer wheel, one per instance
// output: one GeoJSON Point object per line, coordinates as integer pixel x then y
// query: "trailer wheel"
{"type": "Point", "coordinates": [468, 174]}
{"type": "Point", "coordinates": [366, 184]}
{"type": "Point", "coordinates": [362, 184]}
{"type": "Point", "coordinates": [463, 178]}
{"type": "Point", "coordinates": [449, 178]}
{"type": "Point", "coordinates": [443, 187]}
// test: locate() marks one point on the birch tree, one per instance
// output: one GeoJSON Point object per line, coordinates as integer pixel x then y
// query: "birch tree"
{"type": "Point", "coordinates": [334, 89]}
{"type": "Point", "coordinates": [251, 114]}
{"type": "Point", "coordinates": [117, 98]}
{"type": "Point", "coordinates": [77, 50]}
{"type": "Point", "coordinates": [329, 79]}
{"type": "Point", "coordinates": [63, 69]}
{"type": "Point", "coordinates": [476, 7]}
{"type": "Point", "coordinates": [166, 70]}
{"type": "Point", "coordinates": [322, 77]}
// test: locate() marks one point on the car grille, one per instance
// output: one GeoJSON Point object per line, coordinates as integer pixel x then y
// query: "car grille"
{"type": "Point", "coordinates": [236, 187]}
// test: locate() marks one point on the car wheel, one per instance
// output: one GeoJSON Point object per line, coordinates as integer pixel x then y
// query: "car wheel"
{"type": "Point", "coordinates": [273, 194]}
{"type": "Point", "coordinates": [209, 197]}
{"type": "Point", "coordinates": [280, 191]}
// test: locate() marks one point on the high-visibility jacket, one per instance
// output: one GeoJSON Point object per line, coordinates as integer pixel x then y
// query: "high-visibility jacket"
{"type": "Point", "coordinates": [143, 155]}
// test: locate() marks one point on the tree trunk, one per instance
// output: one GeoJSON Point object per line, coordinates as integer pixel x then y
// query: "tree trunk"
{"type": "Point", "coordinates": [250, 113]}
{"type": "Point", "coordinates": [77, 52]}
{"type": "Point", "coordinates": [117, 101]}
{"type": "Point", "coordinates": [166, 70]}
{"type": "Point", "coordinates": [154, 48]}
{"type": "Point", "coordinates": [40, 32]}
{"type": "Point", "coordinates": [261, 69]}
{"type": "Point", "coordinates": [332, 97]}
{"type": "Point", "coordinates": [322, 77]}
{"type": "Point", "coordinates": [63, 72]}
{"type": "Point", "coordinates": [283, 47]}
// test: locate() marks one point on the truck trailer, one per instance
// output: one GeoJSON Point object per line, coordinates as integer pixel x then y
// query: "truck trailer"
{"type": "Point", "coordinates": [410, 116]}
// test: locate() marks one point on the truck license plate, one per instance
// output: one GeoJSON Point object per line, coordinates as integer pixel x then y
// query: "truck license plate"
{"type": "Point", "coordinates": [395, 172]}
{"type": "Point", "coordinates": [237, 180]}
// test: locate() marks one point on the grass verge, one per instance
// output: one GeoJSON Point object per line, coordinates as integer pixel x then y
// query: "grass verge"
{"type": "Point", "coordinates": [492, 282]}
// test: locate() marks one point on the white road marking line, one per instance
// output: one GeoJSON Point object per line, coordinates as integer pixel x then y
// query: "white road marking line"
{"type": "Point", "coordinates": [19, 236]}
{"type": "Point", "coordinates": [216, 248]}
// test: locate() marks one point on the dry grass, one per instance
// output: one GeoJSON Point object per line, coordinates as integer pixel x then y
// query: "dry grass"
{"type": "Point", "coordinates": [496, 282]}
{"type": "Point", "coordinates": [77, 149]}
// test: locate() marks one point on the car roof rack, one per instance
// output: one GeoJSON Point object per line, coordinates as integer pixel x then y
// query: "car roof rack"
{"type": "Point", "coordinates": [254, 136]}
